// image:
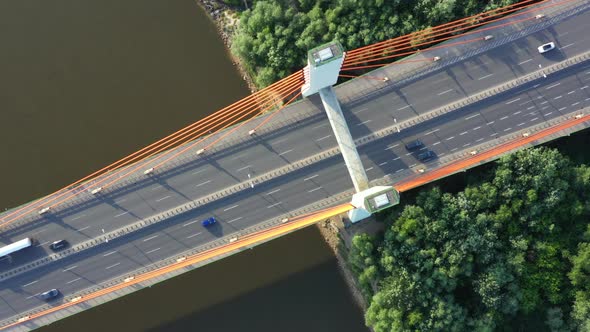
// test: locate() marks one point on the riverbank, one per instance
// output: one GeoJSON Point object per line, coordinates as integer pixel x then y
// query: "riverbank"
{"type": "Point", "coordinates": [226, 21]}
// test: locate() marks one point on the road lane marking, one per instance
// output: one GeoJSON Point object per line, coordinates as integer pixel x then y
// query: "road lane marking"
{"type": "Point", "coordinates": [520, 124]}
{"type": "Point", "coordinates": [153, 250]}
{"type": "Point", "coordinates": [70, 268]}
{"type": "Point", "coordinates": [361, 110]}
{"type": "Point", "coordinates": [391, 147]}
{"type": "Point", "coordinates": [200, 171]}
{"type": "Point", "coordinates": [533, 113]}
{"type": "Point", "coordinates": [314, 189]}
{"type": "Point", "coordinates": [561, 108]}
{"type": "Point", "coordinates": [191, 236]}
{"type": "Point", "coordinates": [479, 140]}
{"type": "Point", "coordinates": [450, 138]}
{"type": "Point", "coordinates": [362, 123]}
{"type": "Point", "coordinates": [584, 87]}
{"type": "Point", "coordinates": [490, 123]}
{"type": "Point", "coordinates": [446, 91]}
{"type": "Point", "coordinates": [484, 77]}
{"type": "Point", "coordinates": [163, 198]}
{"type": "Point", "coordinates": [507, 128]}
{"type": "Point", "coordinates": [430, 132]}
{"type": "Point", "coordinates": [525, 61]}
{"type": "Point", "coordinates": [576, 103]}
{"type": "Point", "coordinates": [155, 188]}
{"type": "Point", "coordinates": [399, 109]}
{"type": "Point", "coordinates": [78, 217]}
{"type": "Point", "coordinates": [463, 133]}
{"type": "Point", "coordinates": [311, 177]}
{"type": "Point", "coordinates": [320, 126]}
{"type": "Point", "coordinates": [533, 119]}
{"type": "Point", "coordinates": [396, 158]}
{"type": "Point", "coordinates": [121, 214]}
{"type": "Point", "coordinates": [547, 114]}
{"type": "Point", "coordinates": [231, 207]}
{"type": "Point", "coordinates": [544, 107]}
{"type": "Point", "coordinates": [112, 266]}
{"type": "Point", "coordinates": [383, 163]}
{"type": "Point", "coordinates": [273, 205]}
{"type": "Point", "coordinates": [150, 238]}
{"type": "Point", "coordinates": [530, 108]}
{"type": "Point", "coordinates": [42, 244]}
{"type": "Point", "coordinates": [504, 118]}
{"type": "Point", "coordinates": [454, 149]}
{"type": "Point", "coordinates": [543, 103]}
{"type": "Point", "coordinates": [368, 169]}
{"type": "Point", "coordinates": [493, 134]}
{"type": "Point", "coordinates": [204, 183]}
{"type": "Point", "coordinates": [190, 223]}
{"type": "Point", "coordinates": [73, 280]}
{"type": "Point", "coordinates": [476, 128]}
{"type": "Point", "coordinates": [109, 253]}
{"type": "Point", "coordinates": [399, 170]}
{"type": "Point", "coordinates": [437, 143]}
{"type": "Point", "coordinates": [466, 144]}
{"type": "Point", "coordinates": [568, 45]}
{"type": "Point", "coordinates": [32, 296]}
{"type": "Point", "coordinates": [274, 191]}
{"type": "Point", "coordinates": [30, 283]}
{"type": "Point", "coordinates": [236, 219]}
{"type": "Point", "coordinates": [409, 153]}
{"type": "Point", "coordinates": [526, 102]}
{"type": "Point", "coordinates": [323, 138]}
{"type": "Point", "coordinates": [516, 113]}
{"type": "Point", "coordinates": [552, 86]}
{"type": "Point", "coordinates": [280, 141]}
{"type": "Point", "coordinates": [412, 165]}
{"type": "Point", "coordinates": [573, 91]}
{"type": "Point", "coordinates": [243, 168]}
{"type": "Point", "coordinates": [471, 116]}
{"type": "Point", "coordinates": [282, 153]}
{"type": "Point", "coordinates": [512, 101]}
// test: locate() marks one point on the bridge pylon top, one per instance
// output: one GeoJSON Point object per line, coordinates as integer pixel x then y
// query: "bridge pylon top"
{"type": "Point", "coordinates": [323, 66]}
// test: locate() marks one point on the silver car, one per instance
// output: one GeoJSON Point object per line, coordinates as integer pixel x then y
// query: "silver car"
{"type": "Point", "coordinates": [546, 47]}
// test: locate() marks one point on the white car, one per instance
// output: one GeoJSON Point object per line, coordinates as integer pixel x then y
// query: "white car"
{"type": "Point", "coordinates": [546, 47]}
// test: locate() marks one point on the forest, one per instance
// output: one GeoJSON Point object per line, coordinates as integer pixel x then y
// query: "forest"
{"type": "Point", "coordinates": [274, 35]}
{"type": "Point", "coordinates": [509, 252]}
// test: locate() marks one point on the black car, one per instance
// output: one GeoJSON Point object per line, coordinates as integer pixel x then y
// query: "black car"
{"type": "Point", "coordinates": [414, 145]}
{"type": "Point", "coordinates": [58, 245]}
{"type": "Point", "coordinates": [426, 156]}
{"type": "Point", "coordinates": [49, 295]}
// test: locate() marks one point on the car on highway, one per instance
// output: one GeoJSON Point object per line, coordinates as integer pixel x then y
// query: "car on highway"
{"type": "Point", "coordinates": [208, 222]}
{"type": "Point", "coordinates": [414, 145]}
{"type": "Point", "coordinates": [58, 245]}
{"type": "Point", "coordinates": [426, 156]}
{"type": "Point", "coordinates": [546, 47]}
{"type": "Point", "coordinates": [49, 295]}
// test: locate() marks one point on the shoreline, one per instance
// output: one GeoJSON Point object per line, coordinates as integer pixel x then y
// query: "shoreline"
{"type": "Point", "coordinates": [226, 23]}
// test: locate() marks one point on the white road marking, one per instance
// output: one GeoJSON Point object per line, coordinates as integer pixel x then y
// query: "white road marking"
{"type": "Point", "coordinates": [284, 139]}
{"type": "Point", "coordinates": [73, 280]}
{"type": "Point", "coordinates": [437, 143]}
{"type": "Point", "coordinates": [320, 126]}
{"type": "Point", "coordinates": [121, 214]}
{"type": "Point", "coordinates": [323, 138]}
{"type": "Point", "coordinates": [430, 132]}
{"type": "Point", "coordinates": [466, 144]}
{"type": "Point", "coordinates": [399, 109]}
{"type": "Point", "coordinates": [201, 170]}
{"type": "Point", "coordinates": [526, 102]}
{"type": "Point", "coordinates": [552, 86]}
{"type": "Point", "coordinates": [573, 91]}
{"type": "Point", "coordinates": [454, 149]}
{"type": "Point", "coordinates": [273, 205]}
{"type": "Point", "coordinates": [493, 134]}
{"type": "Point", "coordinates": [396, 158]}
{"type": "Point", "coordinates": [490, 123]}
{"type": "Point", "coordinates": [520, 124]}
{"type": "Point", "coordinates": [274, 191]}
{"type": "Point", "coordinates": [561, 108]}
{"type": "Point", "coordinates": [236, 219]}
{"type": "Point", "coordinates": [504, 118]}
{"type": "Point", "coordinates": [362, 123]}
{"type": "Point", "coordinates": [243, 168]}
{"type": "Point", "coordinates": [446, 91]}
{"type": "Point", "coordinates": [153, 250]}
{"type": "Point", "coordinates": [525, 61]}
{"type": "Point", "coordinates": [450, 138]}
{"type": "Point", "coordinates": [314, 189]}
{"type": "Point", "coordinates": [191, 236]}
{"type": "Point", "coordinates": [476, 128]}
{"type": "Point", "coordinates": [544, 107]}
{"type": "Point", "coordinates": [190, 223]}
{"type": "Point", "coordinates": [463, 133]}
{"type": "Point", "coordinates": [70, 268]}
{"type": "Point", "coordinates": [78, 217]}
{"type": "Point", "coordinates": [391, 147]}
{"type": "Point", "coordinates": [361, 110]}
{"type": "Point", "coordinates": [484, 77]}
{"type": "Point", "coordinates": [587, 99]}
{"type": "Point", "coordinates": [32, 296]}
{"type": "Point", "coordinates": [533, 113]}
{"type": "Point", "coordinates": [368, 169]}
{"type": "Point", "coordinates": [231, 207]}
{"type": "Point", "coordinates": [42, 244]}
{"type": "Point", "coordinates": [412, 165]}
{"type": "Point", "coordinates": [544, 102]}
{"type": "Point", "coordinates": [30, 283]}
{"type": "Point", "coordinates": [512, 101]}
{"type": "Point", "coordinates": [111, 266]}
{"type": "Point", "coordinates": [516, 113]}
{"type": "Point", "coordinates": [530, 108]}
{"type": "Point", "coordinates": [547, 114]}
{"type": "Point", "coordinates": [479, 140]}
{"type": "Point", "coordinates": [533, 119]}
{"type": "Point", "coordinates": [282, 153]}
{"type": "Point", "coordinates": [507, 129]}
{"type": "Point", "coordinates": [576, 103]}
{"type": "Point", "coordinates": [311, 177]}
{"type": "Point", "coordinates": [471, 116]}
{"type": "Point", "coordinates": [383, 163]}
{"type": "Point", "coordinates": [584, 87]}
{"type": "Point", "coordinates": [109, 253]}
{"type": "Point", "coordinates": [204, 183]}
{"type": "Point", "coordinates": [399, 170]}
{"type": "Point", "coordinates": [83, 228]}
{"type": "Point", "coordinates": [163, 198]}
{"type": "Point", "coordinates": [155, 188]}
{"type": "Point", "coordinates": [150, 238]}
{"type": "Point", "coordinates": [557, 97]}
{"type": "Point", "coordinates": [566, 46]}
{"type": "Point", "coordinates": [409, 153]}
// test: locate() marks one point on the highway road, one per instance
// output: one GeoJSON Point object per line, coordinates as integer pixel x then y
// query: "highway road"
{"type": "Point", "coordinates": [562, 93]}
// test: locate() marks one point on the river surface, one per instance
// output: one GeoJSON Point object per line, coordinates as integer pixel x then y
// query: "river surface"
{"type": "Point", "coordinates": [84, 83]}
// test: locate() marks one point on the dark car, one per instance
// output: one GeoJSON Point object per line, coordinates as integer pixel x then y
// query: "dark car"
{"type": "Point", "coordinates": [49, 295]}
{"type": "Point", "coordinates": [426, 156]}
{"type": "Point", "coordinates": [58, 245]}
{"type": "Point", "coordinates": [208, 222]}
{"type": "Point", "coordinates": [414, 145]}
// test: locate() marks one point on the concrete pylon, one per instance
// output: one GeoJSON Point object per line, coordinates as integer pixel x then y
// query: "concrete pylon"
{"type": "Point", "coordinates": [344, 139]}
